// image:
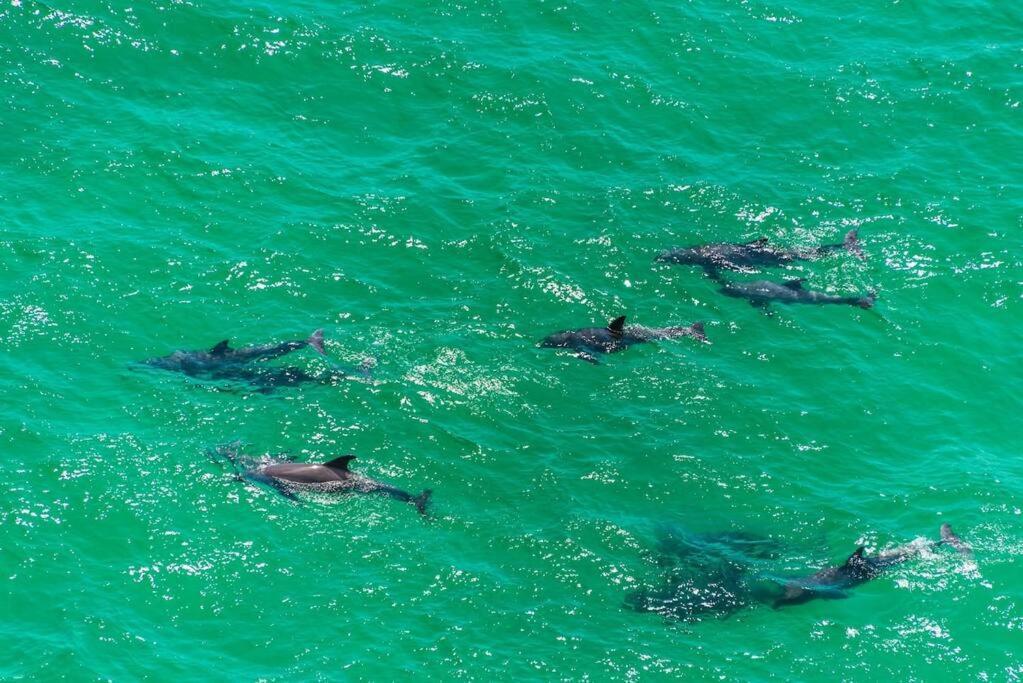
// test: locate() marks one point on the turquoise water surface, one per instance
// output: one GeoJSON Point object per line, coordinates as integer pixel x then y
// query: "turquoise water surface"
{"type": "Point", "coordinates": [439, 185]}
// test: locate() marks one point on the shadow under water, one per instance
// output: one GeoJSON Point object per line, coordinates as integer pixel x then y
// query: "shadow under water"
{"type": "Point", "coordinates": [706, 575]}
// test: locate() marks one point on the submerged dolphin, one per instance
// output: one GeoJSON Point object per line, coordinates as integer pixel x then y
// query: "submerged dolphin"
{"type": "Point", "coordinates": [206, 363]}
{"type": "Point", "coordinates": [334, 476]}
{"type": "Point", "coordinates": [747, 257]}
{"type": "Point", "coordinates": [858, 568]}
{"type": "Point", "coordinates": [267, 379]}
{"type": "Point", "coordinates": [589, 341]}
{"type": "Point", "coordinates": [761, 293]}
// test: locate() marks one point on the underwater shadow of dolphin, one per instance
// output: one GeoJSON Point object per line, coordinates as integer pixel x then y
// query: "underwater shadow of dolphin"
{"type": "Point", "coordinates": [704, 575]}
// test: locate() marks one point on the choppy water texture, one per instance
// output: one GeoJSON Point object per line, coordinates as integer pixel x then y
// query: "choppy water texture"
{"type": "Point", "coordinates": [439, 185]}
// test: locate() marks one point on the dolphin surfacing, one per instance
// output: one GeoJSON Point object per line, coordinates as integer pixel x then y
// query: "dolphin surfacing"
{"type": "Point", "coordinates": [589, 342]}
{"type": "Point", "coordinates": [245, 364]}
{"type": "Point", "coordinates": [332, 477]}
{"type": "Point", "coordinates": [858, 568]}
{"type": "Point", "coordinates": [749, 256]}
{"type": "Point", "coordinates": [221, 355]}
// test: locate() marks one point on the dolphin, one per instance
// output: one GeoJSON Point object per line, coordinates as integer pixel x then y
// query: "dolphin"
{"type": "Point", "coordinates": [334, 476]}
{"type": "Point", "coordinates": [267, 379]}
{"type": "Point", "coordinates": [758, 253]}
{"type": "Point", "coordinates": [761, 293]}
{"type": "Point", "coordinates": [589, 341]}
{"type": "Point", "coordinates": [207, 363]}
{"type": "Point", "coordinates": [950, 538]}
{"type": "Point", "coordinates": [859, 568]}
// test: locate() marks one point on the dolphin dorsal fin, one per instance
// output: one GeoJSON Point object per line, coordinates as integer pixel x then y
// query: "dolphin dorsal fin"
{"type": "Point", "coordinates": [857, 556]}
{"type": "Point", "coordinates": [340, 463]}
{"type": "Point", "coordinates": [759, 242]}
{"type": "Point", "coordinates": [220, 348]}
{"type": "Point", "coordinates": [617, 325]}
{"type": "Point", "coordinates": [795, 284]}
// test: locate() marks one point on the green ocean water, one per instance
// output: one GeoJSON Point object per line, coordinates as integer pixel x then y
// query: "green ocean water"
{"type": "Point", "coordinates": [439, 185]}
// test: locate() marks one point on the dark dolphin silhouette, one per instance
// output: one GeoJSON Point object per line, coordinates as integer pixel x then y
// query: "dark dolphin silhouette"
{"type": "Point", "coordinates": [751, 255]}
{"type": "Point", "coordinates": [859, 568]}
{"type": "Point", "coordinates": [761, 293]}
{"type": "Point", "coordinates": [205, 363]}
{"type": "Point", "coordinates": [335, 477]}
{"type": "Point", "coordinates": [590, 341]}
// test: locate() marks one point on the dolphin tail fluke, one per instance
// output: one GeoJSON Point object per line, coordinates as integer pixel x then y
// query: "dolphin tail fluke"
{"type": "Point", "coordinates": [867, 301]}
{"type": "Point", "coordinates": [228, 451]}
{"type": "Point", "coordinates": [851, 243]}
{"type": "Point", "coordinates": [950, 537]}
{"type": "Point", "coordinates": [421, 501]}
{"type": "Point", "coordinates": [315, 340]}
